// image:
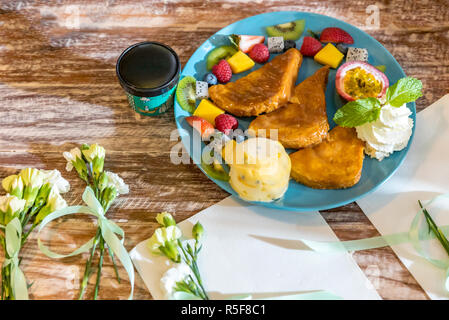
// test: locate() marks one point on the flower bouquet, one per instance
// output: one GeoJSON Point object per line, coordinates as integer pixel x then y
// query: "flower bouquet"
{"type": "Point", "coordinates": [183, 280]}
{"type": "Point", "coordinates": [31, 196]}
{"type": "Point", "coordinates": [102, 188]}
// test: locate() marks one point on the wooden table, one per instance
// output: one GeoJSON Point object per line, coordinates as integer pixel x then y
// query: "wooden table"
{"type": "Point", "coordinates": [58, 89]}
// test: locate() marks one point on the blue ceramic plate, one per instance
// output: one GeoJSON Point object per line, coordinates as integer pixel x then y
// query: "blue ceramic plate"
{"type": "Point", "coordinates": [299, 197]}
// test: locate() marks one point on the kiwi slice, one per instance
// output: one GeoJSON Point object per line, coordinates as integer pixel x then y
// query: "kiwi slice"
{"type": "Point", "coordinates": [186, 93]}
{"type": "Point", "coordinates": [211, 169]}
{"type": "Point", "coordinates": [290, 30]}
{"type": "Point", "coordinates": [218, 54]}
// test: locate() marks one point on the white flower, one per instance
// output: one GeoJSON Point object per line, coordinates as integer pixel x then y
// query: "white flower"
{"type": "Point", "coordinates": [161, 235]}
{"type": "Point", "coordinates": [165, 219]}
{"type": "Point", "coordinates": [9, 207]}
{"type": "Point", "coordinates": [173, 275]}
{"type": "Point", "coordinates": [115, 181]}
{"type": "Point", "coordinates": [32, 178]}
{"type": "Point", "coordinates": [71, 157]}
{"type": "Point", "coordinates": [55, 201]}
{"type": "Point", "coordinates": [54, 178]}
{"type": "Point", "coordinates": [14, 185]}
{"type": "Point", "coordinates": [16, 204]}
{"type": "Point", "coordinates": [95, 150]}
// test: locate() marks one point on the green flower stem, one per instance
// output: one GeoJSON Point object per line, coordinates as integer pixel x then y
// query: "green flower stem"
{"type": "Point", "coordinates": [434, 228]}
{"type": "Point", "coordinates": [25, 236]}
{"type": "Point", "coordinates": [87, 269]}
{"type": "Point", "coordinates": [100, 265]}
{"type": "Point", "coordinates": [28, 216]}
{"type": "Point", "coordinates": [191, 262]}
{"type": "Point", "coordinates": [111, 254]}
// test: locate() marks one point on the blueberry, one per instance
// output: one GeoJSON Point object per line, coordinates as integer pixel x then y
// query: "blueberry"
{"type": "Point", "coordinates": [342, 48]}
{"type": "Point", "coordinates": [288, 44]}
{"type": "Point", "coordinates": [211, 79]}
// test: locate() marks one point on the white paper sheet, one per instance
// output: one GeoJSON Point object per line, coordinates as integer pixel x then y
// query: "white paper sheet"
{"type": "Point", "coordinates": [423, 175]}
{"type": "Point", "coordinates": [252, 250]}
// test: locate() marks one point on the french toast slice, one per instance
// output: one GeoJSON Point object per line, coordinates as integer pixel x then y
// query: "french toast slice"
{"type": "Point", "coordinates": [303, 121]}
{"type": "Point", "coordinates": [335, 163]}
{"type": "Point", "coordinates": [263, 90]}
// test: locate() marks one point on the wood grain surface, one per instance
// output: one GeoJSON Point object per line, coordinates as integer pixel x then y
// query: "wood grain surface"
{"type": "Point", "coordinates": [58, 89]}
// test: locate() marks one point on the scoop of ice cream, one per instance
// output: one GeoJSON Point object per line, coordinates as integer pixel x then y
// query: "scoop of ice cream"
{"type": "Point", "coordinates": [390, 132]}
{"type": "Point", "coordinates": [260, 169]}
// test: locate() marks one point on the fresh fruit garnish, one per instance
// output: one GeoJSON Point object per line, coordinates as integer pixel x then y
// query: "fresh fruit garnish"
{"type": "Point", "coordinates": [329, 55]}
{"type": "Point", "coordinates": [240, 62]}
{"type": "Point", "coordinates": [336, 35]}
{"type": "Point", "coordinates": [213, 168]}
{"type": "Point", "coordinates": [361, 111]}
{"type": "Point", "coordinates": [310, 46]}
{"type": "Point", "coordinates": [290, 30]}
{"type": "Point", "coordinates": [359, 80]}
{"type": "Point", "coordinates": [225, 123]}
{"type": "Point", "coordinates": [245, 43]}
{"type": "Point", "coordinates": [207, 110]}
{"type": "Point", "coordinates": [211, 79]}
{"type": "Point", "coordinates": [222, 70]}
{"type": "Point", "coordinates": [288, 44]}
{"type": "Point", "coordinates": [218, 54]}
{"type": "Point", "coordinates": [357, 54]}
{"type": "Point", "coordinates": [228, 153]}
{"type": "Point", "coordinates": [382, 68]}
{"type": "Point", "coordinates": [186, 93]}
{"type": "Point", "coordinates": [204, 128]}
{"type": "Point", "coordinates": [275, 44]}
{"type": "Point", "coordinates": [343, 48]}
{"type": "Point", "coordinates": [202, 90]}
{"type": "Point", "coordinates": [259, 53]}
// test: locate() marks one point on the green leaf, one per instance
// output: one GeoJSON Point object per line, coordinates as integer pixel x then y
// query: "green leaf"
{"type": "Point", "coordinates": [405, 90]}
{"type": "Point", "coordinates": [356, 113]}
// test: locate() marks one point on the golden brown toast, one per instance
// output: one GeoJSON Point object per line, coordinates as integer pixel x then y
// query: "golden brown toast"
{"type": "Point", "coordinates": [335, 163]}
{"type": "Point", "coordinates": [263, 90]}
{"type": "Point", "coordinates": [303, 121]}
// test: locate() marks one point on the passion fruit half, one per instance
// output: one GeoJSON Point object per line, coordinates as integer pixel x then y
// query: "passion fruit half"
{"type": "Point", "coordinates": [358, 80]}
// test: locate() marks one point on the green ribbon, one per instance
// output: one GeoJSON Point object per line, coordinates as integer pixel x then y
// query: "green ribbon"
{"type": "Point", "coordinates": [109, 230]}
{"type": "Point", "coordinates": [416, 235]}
{"type": "Point", "coordinates": [13, 239]}
{"type": "Point", "coordinates": [315, 295]}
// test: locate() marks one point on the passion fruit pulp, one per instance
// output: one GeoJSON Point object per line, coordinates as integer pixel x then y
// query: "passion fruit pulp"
{"type": "Point", "coordinates": [359, 80]}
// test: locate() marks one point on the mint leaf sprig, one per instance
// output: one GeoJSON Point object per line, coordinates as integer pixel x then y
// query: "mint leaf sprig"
{"type": "Point", "coordinates": [358, 112]}
{"type": "Point", "coordinates": [405, 90]}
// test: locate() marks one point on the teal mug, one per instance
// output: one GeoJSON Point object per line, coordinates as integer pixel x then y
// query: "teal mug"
{"type": "Point", "coordinates": [149, 72]}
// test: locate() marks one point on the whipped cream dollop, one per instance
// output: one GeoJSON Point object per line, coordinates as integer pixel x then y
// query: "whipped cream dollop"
{"type": "Point", "coordinates": [390, 132]}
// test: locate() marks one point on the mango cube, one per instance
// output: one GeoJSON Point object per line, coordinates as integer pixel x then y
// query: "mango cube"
{"type": "Point", "coordinates": [240, 62]}
{"type": "Point", "coordinates": [329, 55]}
{"type": "Point", "coordinates": [228, 153]}
{"type": "Point", "coordinates": [208, 111]}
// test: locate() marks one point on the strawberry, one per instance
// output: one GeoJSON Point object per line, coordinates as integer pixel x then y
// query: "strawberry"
{"type": "Point", "coordinates": [246, 43]}
{"type": "Point", "coordinates": [336, 35]}
{"type": "Point", "coordinates": [225, 123]}
{"type": "Point", "coordinates": [201, 125]}
{"type": "Point", "coordinates": [310, 46]}
{"type": "Point", "coordinates": [222, 70]}
{"type": "Point", "coordinates": [260, 53]}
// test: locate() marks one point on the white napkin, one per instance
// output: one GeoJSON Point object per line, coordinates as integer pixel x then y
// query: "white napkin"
{"type": "Point", "coordinates": [423, 175]}
{"type": "Point", "coordinates": [253, 250]}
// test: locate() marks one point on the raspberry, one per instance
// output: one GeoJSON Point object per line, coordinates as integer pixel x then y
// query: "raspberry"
{"type": "Point", "coordinates": [225, 123]}
{"type": "Point", "coordinates": [310, 46]}
{"type": "Point", "coordinates": [222, 70]}
{"type": "Point", "coordinates": [260, 53]}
